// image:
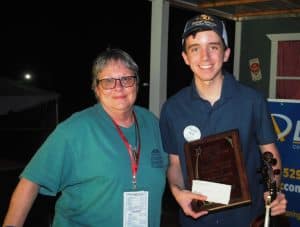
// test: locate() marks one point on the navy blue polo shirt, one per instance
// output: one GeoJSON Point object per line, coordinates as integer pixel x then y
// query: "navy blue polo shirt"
{"type": "Point", "coordinates": [239, 107]}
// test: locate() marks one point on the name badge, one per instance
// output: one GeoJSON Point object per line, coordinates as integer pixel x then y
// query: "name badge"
{"type": "Point", "coordinates": [135, 209]}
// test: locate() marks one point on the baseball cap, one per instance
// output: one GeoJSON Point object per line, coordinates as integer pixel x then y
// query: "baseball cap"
{"type": "Point", "coordinates": [204, 22]}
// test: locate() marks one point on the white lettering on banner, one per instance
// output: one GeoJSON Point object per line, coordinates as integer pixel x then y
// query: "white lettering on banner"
{"type": "Point", "coordinates": [290, 187]}
{"type": "Point", "coordinates": [282, 133]}
{"type": "Point", "coordinates": [297, 133]}
{"type": "Point", "coordinates": [286, 122]}
{"type": "Point", "coordinates": [286, 131]}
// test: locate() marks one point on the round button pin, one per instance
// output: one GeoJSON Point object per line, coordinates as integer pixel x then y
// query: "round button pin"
{"type": "Point", "coordinates": [191, 133]}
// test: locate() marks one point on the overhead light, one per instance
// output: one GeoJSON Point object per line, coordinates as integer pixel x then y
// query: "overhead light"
{"type": "Point", "coordinates": [27, 76]}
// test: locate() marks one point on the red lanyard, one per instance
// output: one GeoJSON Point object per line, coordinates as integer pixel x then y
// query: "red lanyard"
{"type": "Point", "coordinates": [133, 154]}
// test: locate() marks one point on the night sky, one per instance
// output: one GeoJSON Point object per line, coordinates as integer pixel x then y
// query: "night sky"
{"type": "Point", "coordinates": [58, 43]}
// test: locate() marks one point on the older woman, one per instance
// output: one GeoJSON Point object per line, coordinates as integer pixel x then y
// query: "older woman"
{"type": "Point", "coordinates": [107, 161]}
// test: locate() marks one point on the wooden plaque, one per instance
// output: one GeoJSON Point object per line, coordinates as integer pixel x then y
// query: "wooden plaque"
{"type": "Point", "coordinates": [218, 158]}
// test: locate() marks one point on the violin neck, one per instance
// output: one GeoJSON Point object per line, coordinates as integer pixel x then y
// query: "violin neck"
{"type": "Point", "coordinates": [273, 191]}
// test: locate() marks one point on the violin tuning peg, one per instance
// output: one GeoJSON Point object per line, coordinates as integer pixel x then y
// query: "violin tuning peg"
{"type": "Point", "coordinates": [273, 161]}
{"type": "Point", "coordinates": [267, 156]}
{"type": "Point", "coordinates": [276, 171]}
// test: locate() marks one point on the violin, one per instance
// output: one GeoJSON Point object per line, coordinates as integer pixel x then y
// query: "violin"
{"type": "Point", "coordinates": [268, 175]}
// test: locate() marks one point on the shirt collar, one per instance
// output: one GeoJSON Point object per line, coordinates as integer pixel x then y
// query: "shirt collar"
{"type": "Point", "coordinates": [229, 88]}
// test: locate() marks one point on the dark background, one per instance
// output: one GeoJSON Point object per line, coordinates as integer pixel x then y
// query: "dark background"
{"type": "Point", "coordinates": [57, 44]}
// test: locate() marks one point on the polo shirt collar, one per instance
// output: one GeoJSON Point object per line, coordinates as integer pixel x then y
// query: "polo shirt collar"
{"type": "Point", "coordinates": [229, 88]}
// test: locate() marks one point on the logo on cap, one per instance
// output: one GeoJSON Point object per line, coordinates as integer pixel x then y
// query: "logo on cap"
{"type": "Point", "coordinates": [205, 22]}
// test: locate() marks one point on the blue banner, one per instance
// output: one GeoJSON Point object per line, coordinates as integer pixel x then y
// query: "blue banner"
{"type": "Point", "coordinates": [286, 121]}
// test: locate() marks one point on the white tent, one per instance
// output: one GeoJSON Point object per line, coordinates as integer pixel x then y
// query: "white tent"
{"type": "Point", "coordinates": [27, 115]}
{"type": "Point", "coordinates": [16, 97]}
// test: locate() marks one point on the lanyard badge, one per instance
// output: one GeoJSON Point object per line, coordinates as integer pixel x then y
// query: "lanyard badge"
{"type": "Point", "coordinates": [133, 151]}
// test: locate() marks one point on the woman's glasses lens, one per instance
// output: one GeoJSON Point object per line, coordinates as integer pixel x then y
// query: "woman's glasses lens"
{"type": "Point", "coordinates": [110, 83]}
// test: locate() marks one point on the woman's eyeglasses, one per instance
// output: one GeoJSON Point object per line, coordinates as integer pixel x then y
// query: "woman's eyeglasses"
{"type": "Point", "coordinates": [110, 83]}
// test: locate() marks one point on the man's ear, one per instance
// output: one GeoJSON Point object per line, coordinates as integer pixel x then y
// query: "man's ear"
{"type": "Point", "coordinates": [226, 54]}
{"type": "Point", "coordinates": [185, 58]}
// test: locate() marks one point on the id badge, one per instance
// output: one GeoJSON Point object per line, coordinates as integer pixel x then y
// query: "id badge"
{"type": "Point", "coordinates": [135, 209]}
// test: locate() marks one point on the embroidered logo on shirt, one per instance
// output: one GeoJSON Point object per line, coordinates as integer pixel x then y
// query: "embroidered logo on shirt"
{"type": "Point", "coordinates": [156, 159]}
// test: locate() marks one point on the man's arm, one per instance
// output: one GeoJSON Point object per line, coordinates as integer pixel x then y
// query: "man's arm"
{"type": "Point", "coordinates": [21, 203]}
{"type": "Point", "coordinates": [273, 149]}
{"type": "Point", "coordinates": [280, 203]}
{"type": "Point", "coordinates": [176, 183]}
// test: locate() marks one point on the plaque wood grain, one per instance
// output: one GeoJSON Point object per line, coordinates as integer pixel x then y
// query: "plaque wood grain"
{"type": "Point", "coordinates": [218, 158]}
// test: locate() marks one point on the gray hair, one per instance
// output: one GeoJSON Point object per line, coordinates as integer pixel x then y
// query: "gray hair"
{"type": "Point", "coordinates": [112, 55]}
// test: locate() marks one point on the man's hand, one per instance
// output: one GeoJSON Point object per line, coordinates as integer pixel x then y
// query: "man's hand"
{"type": "Point", "coordinates": [278, 206]}
{"type": "Point", "coordinates": [184, 199]}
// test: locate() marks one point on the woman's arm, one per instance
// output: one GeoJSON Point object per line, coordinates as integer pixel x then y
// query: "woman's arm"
{"type": "Point", "coordinates": [21, 203]}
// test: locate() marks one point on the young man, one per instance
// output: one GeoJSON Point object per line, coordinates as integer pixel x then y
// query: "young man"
{"type": "Point", "coordinates": [215, 102]}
